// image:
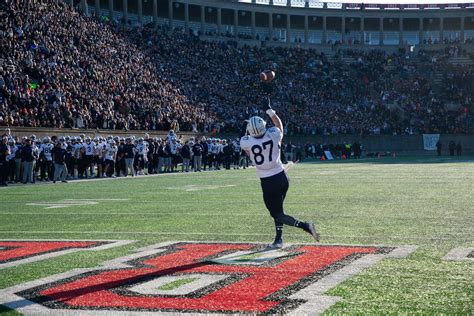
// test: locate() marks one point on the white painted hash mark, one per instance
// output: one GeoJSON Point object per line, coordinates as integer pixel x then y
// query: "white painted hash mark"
{"type": "Point", "coordinates": [200, 187]}
{"type": "Point", "coordinates": [71, 202]}
{"type": "Point", "coordinates": [460, 254]}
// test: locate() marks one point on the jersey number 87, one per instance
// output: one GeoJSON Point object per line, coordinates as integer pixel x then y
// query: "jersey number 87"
{"type": "Point", "coordinates": [257, 151]}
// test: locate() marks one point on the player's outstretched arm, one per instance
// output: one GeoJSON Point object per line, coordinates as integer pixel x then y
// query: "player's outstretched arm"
{"type": "Point", "coordinates": [275, 119]}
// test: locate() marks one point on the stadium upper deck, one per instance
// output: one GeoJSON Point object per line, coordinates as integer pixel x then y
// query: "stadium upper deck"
{"type": "Point", "coordinates": [304, 22]}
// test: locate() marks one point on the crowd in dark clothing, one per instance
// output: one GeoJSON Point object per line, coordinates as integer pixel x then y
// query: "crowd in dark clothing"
{"type": "Point", "coordinates": [62, 69]}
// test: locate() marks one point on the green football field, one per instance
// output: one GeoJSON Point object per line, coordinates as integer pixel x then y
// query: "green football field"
{"type": "Point", "coordinates": [421, 201]}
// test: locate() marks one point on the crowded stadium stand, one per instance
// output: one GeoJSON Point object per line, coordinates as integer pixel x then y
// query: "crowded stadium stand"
{"type": "Point", "coordinates": [125, 65]}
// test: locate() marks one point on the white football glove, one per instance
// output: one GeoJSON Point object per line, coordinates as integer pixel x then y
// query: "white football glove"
{"type": "Point", "coordinates": [270, 111]}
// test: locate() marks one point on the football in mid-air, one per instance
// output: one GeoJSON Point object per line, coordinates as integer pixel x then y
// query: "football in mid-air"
{"type": "Point", "coordinates": [267, 75]}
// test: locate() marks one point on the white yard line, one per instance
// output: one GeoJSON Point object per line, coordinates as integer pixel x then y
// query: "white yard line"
{"type": "Point", "coordinates": [39, 257]}
{"type": "Point", "coordinates": [468, 237]}
{"type": "Point", "coordinates": [460, 254]}
{"type": "Point", "coordinates": [117, 178]}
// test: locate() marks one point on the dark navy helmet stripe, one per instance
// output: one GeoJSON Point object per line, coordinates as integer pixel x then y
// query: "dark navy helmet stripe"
{"type": "Point", "coordinates": [254, 123]}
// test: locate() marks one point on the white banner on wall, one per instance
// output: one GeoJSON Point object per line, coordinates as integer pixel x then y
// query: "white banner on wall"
{"type": "Point", "coordinates": [429, 141]}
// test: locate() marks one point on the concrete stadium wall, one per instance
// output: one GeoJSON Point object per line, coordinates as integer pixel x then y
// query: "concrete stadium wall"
{"type": "Point", "coordinates": [402, 145]}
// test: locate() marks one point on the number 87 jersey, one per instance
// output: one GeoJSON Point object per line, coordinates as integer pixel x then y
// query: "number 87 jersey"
{"type": "Point", "coordinates": [264, 152]}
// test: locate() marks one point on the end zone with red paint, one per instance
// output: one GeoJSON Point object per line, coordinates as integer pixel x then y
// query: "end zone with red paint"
{"type": "Point", "coordinates": [15, 252]}
{"type": "Point", "coordinates": [292, 279]}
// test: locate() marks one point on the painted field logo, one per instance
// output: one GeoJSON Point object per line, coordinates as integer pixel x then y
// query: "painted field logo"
{"type": "Point", "coordinates": [16, 252]}
{"type": "Point", "coordinates": [203, 278]}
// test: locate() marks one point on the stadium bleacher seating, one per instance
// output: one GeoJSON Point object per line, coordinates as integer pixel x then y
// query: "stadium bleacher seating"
{"type": "Point", "coordinates": [67, 70]}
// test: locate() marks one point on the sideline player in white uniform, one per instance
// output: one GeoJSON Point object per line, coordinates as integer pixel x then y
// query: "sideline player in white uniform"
{"type": "Point", "coordinates": [89, 148]}
{"type": "Point", "coordinates": [142, 156]}
{"type": "Point", "coordinates": [46, 152]}
{"type": "Point", "coordinates": [263, 147]}
{"type": "Point", "coordinates": [110, 157]}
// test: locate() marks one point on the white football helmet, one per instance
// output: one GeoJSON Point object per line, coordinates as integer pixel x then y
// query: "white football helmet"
{"type": "Point", "coordinates": [256, 126]}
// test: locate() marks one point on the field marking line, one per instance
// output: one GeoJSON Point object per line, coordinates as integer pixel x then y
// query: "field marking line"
{"type": "Point", "coordinates": [64, 203]}
{"type": "Point", "coordinates": [198, 187]}
{"type": "Point", "coordinates": [313, 294]}
{"type": "Point", "coordinates": [92, 199]}
{"type": "Point", "coordinates": [248, 214]}
{"type": "Point", "coordinates": [289, 165]}
{"type": "Point", "coordinates": [460, 254]}
{"type": "Point", "coordinates": [219, 234]}
{"type": "Point", "coordinates": [256, 198]}
{"type": "Point", "coordinates": [13, 185]}
{"type": "Point", "coordinates": [110, 244]}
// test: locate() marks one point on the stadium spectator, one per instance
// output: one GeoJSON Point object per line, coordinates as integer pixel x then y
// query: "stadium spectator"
{"type": "Point", "coordinates": [439, 147]}
{"type": "Point", "coordinates": [459, 149]}
{"type": "Point", "coordinates": [357, 150]}
{"type": "Point", "coordinates": [452, 148]}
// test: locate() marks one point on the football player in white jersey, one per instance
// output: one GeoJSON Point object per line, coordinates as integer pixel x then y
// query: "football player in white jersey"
{"type": "Point", "coordinates": [46, 159]}
{"type": "Point", "coordinates": [263, 147]}
{"type": "Point", "coordinates": [88, 157]}
{"type": "Point", "coordinates": [110, 157]}
{"type": "Point", "coordinates": [11, 159]}
{"type": "Point", "coordinates": [78, 158]}
{"type": "Point", "coordinates": [214, 152]}
{"type": "Point", "coordinates": [175, 146]}
{"type": "Point", "coordinates": [97, 155]}
{"type": "Point", "coordinates": [142, 156]}
{"type": "Point", "coordinates": [171, 136]}
{"type": "Point", "coordinates": [236, 155]}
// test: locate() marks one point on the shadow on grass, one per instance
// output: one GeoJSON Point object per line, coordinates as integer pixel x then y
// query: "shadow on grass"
{"type": "Point", "coordinates": [7, 311]}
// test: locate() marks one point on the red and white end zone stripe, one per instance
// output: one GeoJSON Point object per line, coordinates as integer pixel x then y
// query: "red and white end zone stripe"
{"type": "Point", "coordinates": [14, 252]}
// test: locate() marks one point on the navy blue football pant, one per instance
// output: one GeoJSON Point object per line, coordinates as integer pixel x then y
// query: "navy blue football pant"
{"type": "Point", "coordinates": [45, 168]}
{"type": "Point", "coordinates": [3, 172]}
{"type": "Point", "coordinates": [274, 192]}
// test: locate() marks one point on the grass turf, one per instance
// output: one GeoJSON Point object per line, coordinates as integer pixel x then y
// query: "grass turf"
{"type": "Point", "coordinates": [392, 201]}
{"type": "Point", "coordinates": [176, 284]}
